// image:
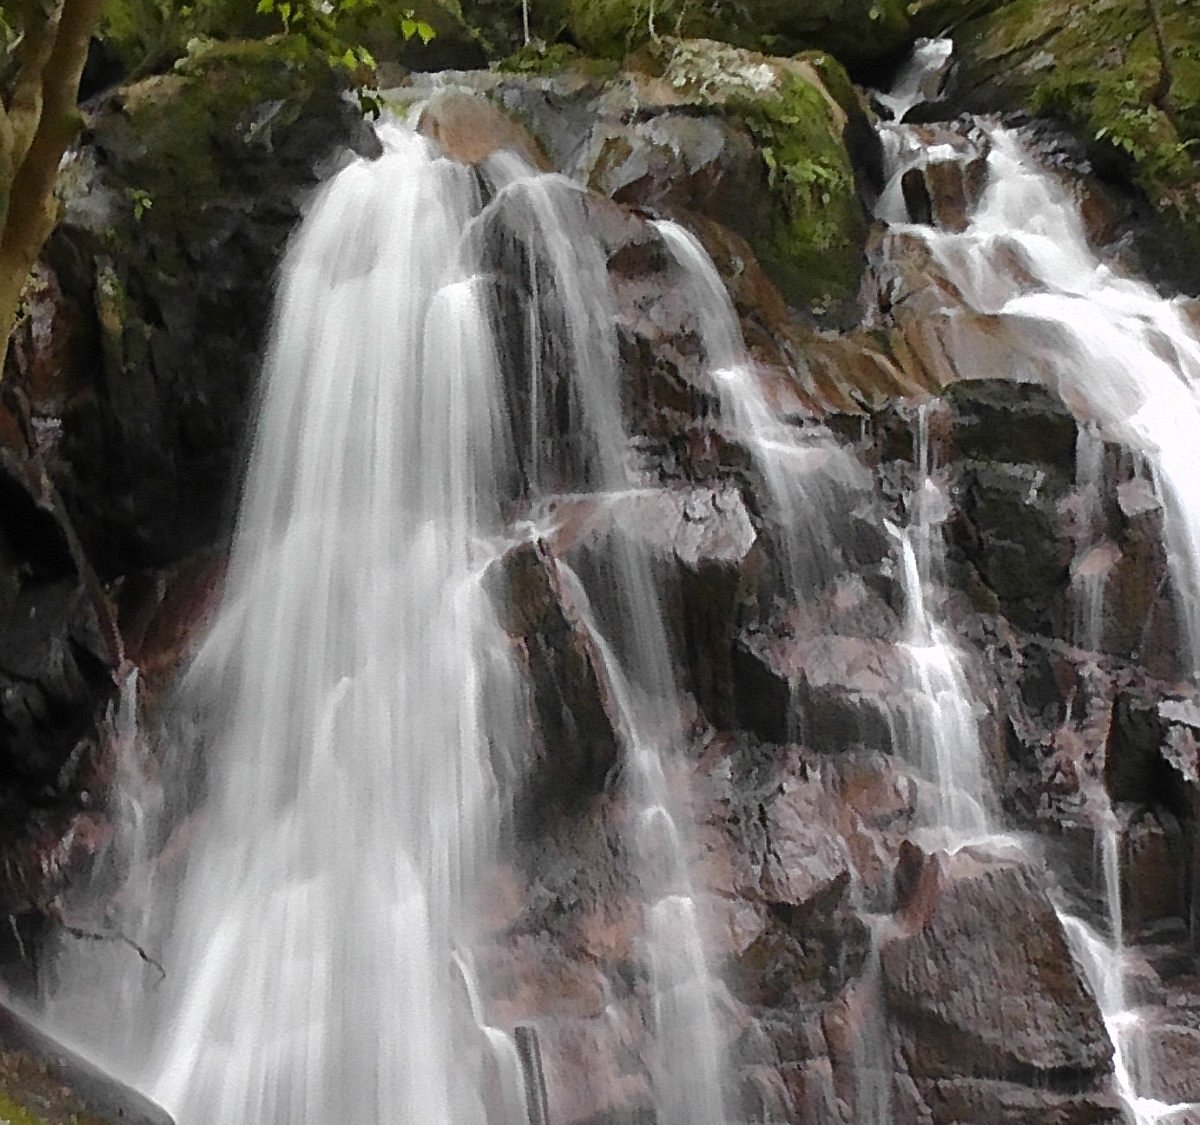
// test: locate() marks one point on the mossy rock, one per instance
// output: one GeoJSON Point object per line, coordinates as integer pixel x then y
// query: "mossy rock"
{"type": "Point", "coordinates": [938, 17]}
{"type": "Point", "coordinates": [1097, 68]}
{"type": "Point", "coordinates": [176, 213]}
{"type": "Point", "coordinates": [803, 217]}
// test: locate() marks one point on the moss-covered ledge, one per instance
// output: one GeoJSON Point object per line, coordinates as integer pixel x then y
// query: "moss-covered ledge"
{"type": "Point", "coordinates": [800, 209]}
{"type": "Point", "coordinates": [1098, 68]}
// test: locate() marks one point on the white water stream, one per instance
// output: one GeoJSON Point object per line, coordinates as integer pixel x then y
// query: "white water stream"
{"type": "Point", "coordinates": [1127, 363]}
{"type": "Point", "coordinates": [568, 283]}
{"type": "Point", "coordinates": [354, 693]}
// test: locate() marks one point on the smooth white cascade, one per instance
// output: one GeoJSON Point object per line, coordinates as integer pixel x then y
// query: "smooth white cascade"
{"type": "Point", "coordinates": [940, 727]}
{"type": "Point", "coordinates": [688, 1069]}
{"type": "Point", "coordinates": [1127, 363]}
{"type": "Point", "coordinates": [351, 798]}
{"type": "Point", "coordinates": [1121, 356]}
{"type": "Point", "coordinates": [920, 78]}
{"type": "Point", "coordinates": [575, 360]}
{"type": "Point", "coordinates": [805, 470]}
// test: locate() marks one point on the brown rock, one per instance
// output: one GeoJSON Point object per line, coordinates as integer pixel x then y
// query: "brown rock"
{"type": "Point", "coordinates": [1005, 1103]}
{"type": "Point", "coordinates": [986, 987]}
{"type": "Point", "coordinates": [470, 129]}
{"type": "Point", "coordinates": [1164, 1063]}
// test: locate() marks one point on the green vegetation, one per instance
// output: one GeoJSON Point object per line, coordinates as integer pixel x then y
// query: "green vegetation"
{"type": "Point", "coordinates": [853, 29]}
{"type": "Point", "coordinates": [45, 50]}
{"type": "Point", "coordinates": [1101, 68]}
{"type": "Point", "coordinates": [810, 233]}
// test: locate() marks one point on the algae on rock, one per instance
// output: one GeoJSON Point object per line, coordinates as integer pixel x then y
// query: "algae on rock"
{"type": "Point", "coordinates": [811, 232]}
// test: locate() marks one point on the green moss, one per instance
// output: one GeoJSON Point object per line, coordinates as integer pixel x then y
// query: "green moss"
{"type": "Point", "coordinates": [539, 57]}
{"type": "Point", "coordinates": [183, 126]}
{"type": "Point", "coordinates": [1045, 52]}
{"type": "Point", "coordinates": [810, 229]}
{"type": "Point", "coordinates": [816, 247]}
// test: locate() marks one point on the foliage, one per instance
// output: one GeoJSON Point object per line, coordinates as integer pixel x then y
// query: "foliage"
{"type": "Point", "coordinates": [1135, 98]}
{"type": "Point", "coordinates": [613, 28]}
{"type": "Point", "coordinates": [150, 35]}
{"type": "Point", "coordinates": [812, 234]}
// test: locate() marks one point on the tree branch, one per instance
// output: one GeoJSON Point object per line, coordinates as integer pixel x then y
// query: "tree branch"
{"type": "Point", "coordinates": [54, 911]}
{"type": "Point", "coordinates": [1161, 93]}
{"type": "Point", "coordinates": [39, 27]}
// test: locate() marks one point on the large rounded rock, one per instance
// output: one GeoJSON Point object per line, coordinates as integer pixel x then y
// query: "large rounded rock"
{"type": "Point", "coordinates": [982, 983]}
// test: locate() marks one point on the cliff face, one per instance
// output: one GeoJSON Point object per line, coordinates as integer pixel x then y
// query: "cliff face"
{"type": "Point", "coordinates": [857, 954]}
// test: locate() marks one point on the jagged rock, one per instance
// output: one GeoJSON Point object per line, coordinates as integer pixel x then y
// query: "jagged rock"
{"type": "Point", "coordinates": [999, 420]}
{"type": "Point", "coordinates": [579, 740]}
{"type": "Point", "coordinates": [809, 940]}
{"type": "Point", "coordinates": [1007, 1103]}
{"type": "Point", "coordinates": [831, 692]}
{"type": "Point", "coordinates": [810, 242]}
{"type": "Point", "coordinates": [1164, 1065]}
{"type": "Point", "coordinates": [1155, 863]}
{"type": "Point", "coordinates": [982, 984]}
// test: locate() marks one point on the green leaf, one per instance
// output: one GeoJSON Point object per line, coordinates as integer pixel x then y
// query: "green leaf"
{"type": "Point", "coordinates": [265, 6]}
{"type": "Point", "coordinates": [426, 32]}
{"type": "Point", "coordinates": [408, 27]}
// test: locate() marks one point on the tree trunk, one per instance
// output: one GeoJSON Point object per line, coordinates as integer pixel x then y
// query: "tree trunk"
{"type": "Point", "coordinates": [1161, 93]}
{"type": "Point", "coordinates": [38, 120]}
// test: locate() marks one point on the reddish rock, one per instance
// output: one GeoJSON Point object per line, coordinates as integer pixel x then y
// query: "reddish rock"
{"type": "Point", "coordinates": [986, 987]}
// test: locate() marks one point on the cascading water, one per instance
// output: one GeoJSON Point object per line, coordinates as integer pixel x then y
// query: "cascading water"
{"type": "Point", "coordinates": [942, 726]}
{"type": "Point", "coordinates": [689, 1070]}
{"type": "Point", "coordinates": [351, 795]}
{"type": "Point", "coordinates": [805, 470]}
{"type": "Point", "coordinates": [1127, 363]}
{"type": "Point", "coordinates": [565, 262]}
{"type": "Point", "coordinates": [943, 719]}
{"type": "Point", "coordinates": [803, 473]}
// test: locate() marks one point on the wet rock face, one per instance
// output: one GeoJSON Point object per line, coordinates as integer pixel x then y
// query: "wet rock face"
{"type": "Point", "coordinates": [985, 986]}
{"type": "Point", "coordinates": [200, 173]}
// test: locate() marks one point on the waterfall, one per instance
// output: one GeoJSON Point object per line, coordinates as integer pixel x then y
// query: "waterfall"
{"type": "Point", "coordinates": [806, 472]}
{"type": "Point", "coordinates": [352, 802]}
{"type": "Point", "coordinates": [940, 726]}
{"type": "Point", "coordinates": [577, 362]}
{"type": "Point", "coordinates": [689, 1068]}
{"type": "Point", "coordinates": [1127, 364]}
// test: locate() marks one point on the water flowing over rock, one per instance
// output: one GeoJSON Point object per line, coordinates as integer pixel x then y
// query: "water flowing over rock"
{"type": "Point", "coordinates": [689, 652]}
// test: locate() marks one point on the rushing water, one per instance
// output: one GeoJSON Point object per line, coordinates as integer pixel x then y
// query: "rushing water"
{"type": "Point", "coordinates": [806, 472]}
{"type": "Point", "coordinates": [1127, 363]}
{"type": "Point", "coordinates": [573, 358]}
{"type": "Point", "coordinates": [351, 691]}
{"type": "Point", "coordinates": [356, 696]}
{"type": "Point", "coordinates": [939, 728]}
